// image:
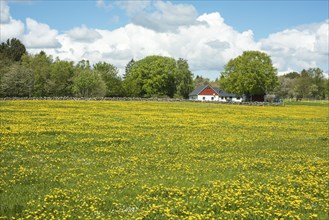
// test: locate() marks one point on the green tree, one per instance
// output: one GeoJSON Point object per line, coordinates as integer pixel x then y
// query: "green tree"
{"type": "Point", "coordinates": [5, 65]}
{"type": "Point", "coordinates": [40, 65]}
{"type": "Point", "coordinates": [17, 82]}
{"type": "Point", "coordinates": [83, 64]}
{"type": "Point", "coordinates": [200, 81]}
{"type": "Point", "coordinates": [128, 68]}
{"type": "Point", "coordinates": [12, 49]}
{"type": "Point", "coordinates": [285, 87]}
{"type": "Point", "coordinates": [11, 52]}
{"type": "Point", "coordinates": [251, 73]}
{"type": "Point", "coordinates": [303, 86]}
{"type": "Point", "coordinates": [61, 78]}
{"type": "Point", "coordinates": [292, 75]}
{"type": "Point", "coordinates": [129, 84]}
{"type": "Point", "coordinates": [318, 81]}
{"type": "Point", "coordinates": [183, 79]}
{"type": "Point", "coordinates": [310, 84]}
{"type": "Point", "coordinates": [152, 76]}
{"type": "Point", "coordinates": [110, 75]}
{"type": "Point", "coordinates": [326, 88]}
{"type": "Point", "coordinates": [87, 83]}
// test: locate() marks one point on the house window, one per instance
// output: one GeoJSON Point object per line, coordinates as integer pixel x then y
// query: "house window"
{"type": "Point", "coordinates": [212, 98]}
{"type": "Point", "coordinates": [203, 98]}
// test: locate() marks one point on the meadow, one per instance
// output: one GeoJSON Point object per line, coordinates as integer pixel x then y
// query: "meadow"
{"type": "Point", "coordinates": [161, 160]}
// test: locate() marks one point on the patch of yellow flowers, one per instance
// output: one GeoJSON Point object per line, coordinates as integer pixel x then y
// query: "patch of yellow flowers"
{"type": "Point", "coordinates": [158, 160]}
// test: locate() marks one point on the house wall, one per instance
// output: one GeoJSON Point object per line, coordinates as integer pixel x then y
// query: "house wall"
{"type": "Point", "coordinates": [237, 100]}
{"type": "Point", "coordinates": [208, 97]}
{"type": "Point", "coordinates": [193, 97]}
{"type": "Point", "coordinates": [222, 99]}
{"type": "Point", "coordinates": [216, 98]}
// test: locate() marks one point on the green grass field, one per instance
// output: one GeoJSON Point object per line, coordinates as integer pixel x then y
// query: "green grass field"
{"type": "Point", "coordinates": [160, 160]}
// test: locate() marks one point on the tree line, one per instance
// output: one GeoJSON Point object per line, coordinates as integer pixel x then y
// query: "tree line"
{"type": "Point", "coordinates": [39, 75]}
{"type": "Point", "coordinates": [252, 73]}
{"type": "Point", "coordinates": [308, 84]}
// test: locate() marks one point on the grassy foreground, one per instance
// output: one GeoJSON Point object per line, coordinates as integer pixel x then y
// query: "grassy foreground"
{"type": "Point", "coordinates": [158, 160]}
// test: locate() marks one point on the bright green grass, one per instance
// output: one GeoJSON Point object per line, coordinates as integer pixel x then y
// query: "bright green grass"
{"type": "Point", "coordinates": [159, 160]}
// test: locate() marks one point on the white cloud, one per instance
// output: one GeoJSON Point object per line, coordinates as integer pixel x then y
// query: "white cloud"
{"type": "Point", "coordinates": [40, 35]}
{"type": "Point", "coordinates": [218, 45]}
{"type": "Point", "coordinates": [4, 13]}
{"type": "Point", "coordinates": [103, 4]}
{"type": "Point", "coordinates": [9, 27]}
{"type": "Point", "coordinates": [13, 29]}
{"type": "Point", "coordinates": [83, 34]}
{"type": "Point", "coordinates": [299, 48]}
{"type": "Point", "coordinates": [166, 17]}
{"type": "Point", "coordinates": [133, 7]}
{"type": "Point", "coordinates": [206, 47]}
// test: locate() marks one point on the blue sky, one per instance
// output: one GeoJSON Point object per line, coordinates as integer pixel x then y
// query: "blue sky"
{"type": "Point", "coordinates": [208, 33]}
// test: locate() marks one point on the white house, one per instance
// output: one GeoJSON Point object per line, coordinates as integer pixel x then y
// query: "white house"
{"type": "Point", "coordinates": [209, 93]}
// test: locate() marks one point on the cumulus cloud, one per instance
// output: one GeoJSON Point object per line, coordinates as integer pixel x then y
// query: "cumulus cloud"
{"type": "Point", "coordinates": [218, 45]}
{"type": "Point", "coordinates": [4, 13]}
{"type": "Point", "coordinates": [103, 4]}
{"type": "Point", "coordinates": [206, 47]}
{"type": "Point", "coordinates": [40, 35]}
{"type": "Point", "coordinates": [159, 16]}
{"type": "Point", "coordinates": [133, 7]}
{"type": "Point", "coordinates": [298, 48]}
{"type": "Point", "coordinates": [83, 34]}
{"type": "Point", "coordinates": [13, 29]}
{"type": "Point", "coordinates": [9, 27]}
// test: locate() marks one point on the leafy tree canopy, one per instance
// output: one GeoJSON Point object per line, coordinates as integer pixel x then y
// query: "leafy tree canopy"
{"type": "Point", "coordinates": [251, 73]}
{"type": "Point", "coordinates": [110, 75]}
{"type": "Point", "coordinates": [128, 68]}
{"type": "Point", "coordinates": [88, 83]}
{"type": "Point", "coordinates": [158, 76]}
{"type": "Point", "coordinates": [292, 75]}
{"type": "Point", "coordinates": [153, 76]}
{"type": "Point", "coordinates": [17, 82]}
{"type": "Point", "coordinates": [12, 49]}
{"type": "Point", "coordinates": [183, 79]}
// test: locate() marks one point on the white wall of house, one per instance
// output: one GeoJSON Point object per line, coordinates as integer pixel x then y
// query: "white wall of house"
{"type": "Point", "coordinates": [236, 99]}
{"type": "Point", "coordinates": [215, 98]}
{"type": "Point", "coordinates": [208, 97]}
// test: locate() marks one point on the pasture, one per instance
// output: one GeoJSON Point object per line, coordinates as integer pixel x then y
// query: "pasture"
{"type": "Point", "coordinates": [161, 160]}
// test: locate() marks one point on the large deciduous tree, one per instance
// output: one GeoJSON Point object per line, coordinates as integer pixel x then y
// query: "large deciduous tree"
{"type": "Point", "coordinates": [152, 76]}
{"type": "Point", "coordinates": [128, 68]}
{"type": "Point", "coordinates": [183, 79]}
{"type": "Point", "coordinates": [17, 82]}
{"type": "Point", "coordinates": [110, 75]}
{"type": "Point", "coordinates": [40, 65]}
{"type": "Point", "coordinates": [251, 73]}
{"type": "Point", "coordinates": [285, 88]}
{"type": "Point", "coordinates": [158, 76]}
{"type": "Point", "coordinates": [310, 84]}
{"type": "Point", "coordinates": [12, 49]}
{"type": "Point", "coordinates": [61, 78]}
{"type": "Point", "coordinates": [87, 82]}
